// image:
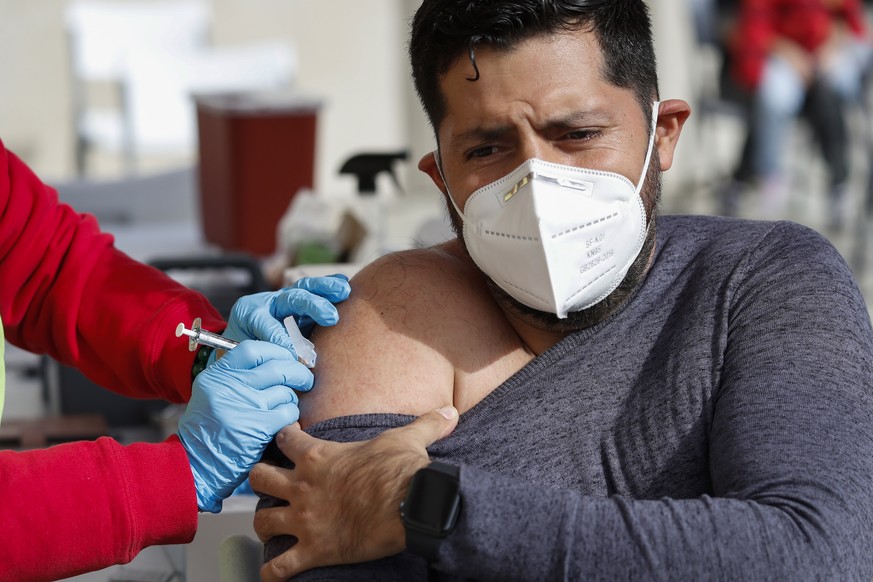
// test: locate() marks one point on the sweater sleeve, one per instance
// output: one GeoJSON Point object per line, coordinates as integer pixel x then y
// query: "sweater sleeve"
{"type": "Point", "coordinates": [66, 291]}
{"type": "Point", "coordinates": [790, 451]}
{"type": "Point", "coordinates": [84, 506]}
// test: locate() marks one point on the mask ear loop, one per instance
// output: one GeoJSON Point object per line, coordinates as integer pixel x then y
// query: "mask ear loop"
{"type": "Point", "coordinates": [650, 148]}
{"type": "Point", "coordinates": [439, 165]}
{"type": "Point", "coordinates": [639, 187]}
{"type": "Point", "coordinates": [646, 168]}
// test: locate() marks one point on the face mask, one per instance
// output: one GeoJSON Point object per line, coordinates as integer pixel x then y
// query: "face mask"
{"type": "Point", "coordinates": [557, 238]}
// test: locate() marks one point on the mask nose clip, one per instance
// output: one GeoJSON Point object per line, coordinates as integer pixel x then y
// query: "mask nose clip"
{"type": "Point", "coordinates": [576, 185]}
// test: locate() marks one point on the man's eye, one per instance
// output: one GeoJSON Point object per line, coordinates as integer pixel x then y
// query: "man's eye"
{"type": "Point", "coordinates": [481, 152]}
{"type": "Point", "coordinates": [581, 134]}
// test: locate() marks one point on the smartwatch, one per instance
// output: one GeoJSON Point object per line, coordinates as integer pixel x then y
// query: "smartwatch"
{"type": "Point", "coordinates": [430, 510]}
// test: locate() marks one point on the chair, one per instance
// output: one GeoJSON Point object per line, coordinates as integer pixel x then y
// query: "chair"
{"type": "Point", "coordinates": [102, 37]}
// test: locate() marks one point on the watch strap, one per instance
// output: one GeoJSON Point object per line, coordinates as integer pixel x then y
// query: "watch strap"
{"type": "Point", "coordinates": [422, 544]}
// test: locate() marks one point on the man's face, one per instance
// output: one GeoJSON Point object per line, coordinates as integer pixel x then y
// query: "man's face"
{"type": "Point", "coordinates": [545, 99]}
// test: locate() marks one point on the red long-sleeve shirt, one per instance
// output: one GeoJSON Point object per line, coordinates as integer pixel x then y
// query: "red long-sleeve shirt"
{"type": "Point", "coordinates": [66, 291]}
{"type": "Point", "coordinates": [807, 23]}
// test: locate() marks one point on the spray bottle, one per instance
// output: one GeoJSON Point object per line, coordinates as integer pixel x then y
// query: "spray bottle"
{"type": "Point", "coordinates": [366, 167]}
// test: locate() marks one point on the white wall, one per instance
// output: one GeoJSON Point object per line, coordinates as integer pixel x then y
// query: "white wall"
{"type": "Point", "coordinates": [34, 89]}
{"type": "Point", "coordinates": [352, 55]}
{"type": "Point", "coordinates": [675, 48]}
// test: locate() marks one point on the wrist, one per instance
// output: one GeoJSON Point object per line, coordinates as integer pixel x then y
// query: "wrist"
{"type": "Point", "coordinates": [202, 359]}
{"type": "Point", "coordinates": [207, 500]}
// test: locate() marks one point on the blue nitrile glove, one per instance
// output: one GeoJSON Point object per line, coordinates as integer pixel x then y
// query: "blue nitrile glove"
{"type": "Point", "coordinates": [310, 300]}
{"type": "Point", "coordinates": [245, 488]}
{"type": "Point", "coordinates": [237, 405]}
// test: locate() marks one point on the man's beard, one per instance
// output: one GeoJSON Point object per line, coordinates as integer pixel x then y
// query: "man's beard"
{"type": "Point", "coordinates": [576, 320]}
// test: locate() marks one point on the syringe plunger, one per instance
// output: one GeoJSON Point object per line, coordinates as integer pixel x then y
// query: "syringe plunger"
{"type": "Point", "coordinates": [198, 335]}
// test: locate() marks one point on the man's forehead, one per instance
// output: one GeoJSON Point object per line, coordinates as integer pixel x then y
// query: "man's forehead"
{"type": "Point", "coordinates": [543, 69]}
{"type": "Point", "coordinates": [536, 47]}
{"type": "Point", "coordinates": [549, 81]}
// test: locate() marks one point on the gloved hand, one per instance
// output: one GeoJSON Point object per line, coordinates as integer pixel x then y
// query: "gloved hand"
{"type": "Point", "coordinates": [310, 300]}
{"type": "Point", "coordinates": [237, 405]}
{"type": "Point", "coordinates": [245, 488]}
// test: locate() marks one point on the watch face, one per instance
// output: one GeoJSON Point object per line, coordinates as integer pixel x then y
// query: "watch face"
{"type": "Point", "coordinates": [432, 503]}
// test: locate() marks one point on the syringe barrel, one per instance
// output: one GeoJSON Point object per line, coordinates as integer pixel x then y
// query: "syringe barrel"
{"type": "Point", "coordinates": [207, 338]}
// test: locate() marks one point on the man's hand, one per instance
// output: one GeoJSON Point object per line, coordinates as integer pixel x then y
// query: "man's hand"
{"type": "Point", "coordinates": [344, 498]}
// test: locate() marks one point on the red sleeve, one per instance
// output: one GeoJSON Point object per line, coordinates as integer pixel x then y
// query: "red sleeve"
{"type": "Point", "coordinates": [84, 506]}
{"type": "Point", "coordinates": [66, 291]}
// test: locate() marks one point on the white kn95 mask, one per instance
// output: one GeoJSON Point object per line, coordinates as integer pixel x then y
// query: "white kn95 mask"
{"type": "Point", "coordinates": [557, 238]}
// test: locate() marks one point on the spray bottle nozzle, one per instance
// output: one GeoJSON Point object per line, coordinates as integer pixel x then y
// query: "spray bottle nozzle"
{"type": "Point", "coordinates": [369, 165]}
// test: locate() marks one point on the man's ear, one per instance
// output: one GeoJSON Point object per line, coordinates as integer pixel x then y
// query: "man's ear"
{"type": "Point", "coordinates": [672, 114]}
{"type": "Point", "coordinates": [428, 165]}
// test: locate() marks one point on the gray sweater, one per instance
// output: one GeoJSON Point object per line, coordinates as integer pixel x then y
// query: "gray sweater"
{"type": "Point", "coordinates": [718, 427]}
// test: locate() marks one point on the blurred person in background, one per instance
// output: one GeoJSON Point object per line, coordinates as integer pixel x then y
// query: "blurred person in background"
{"type": "Point", "coordinates": [793, 57]}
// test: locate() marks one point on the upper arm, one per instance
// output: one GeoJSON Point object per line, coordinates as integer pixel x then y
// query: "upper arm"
{"type": "Point", "coordinates": [384, 354]}
{"type": "Point", "coordinates": [794, 403]}
{"type": "Point", "coordinates": [420, 330]}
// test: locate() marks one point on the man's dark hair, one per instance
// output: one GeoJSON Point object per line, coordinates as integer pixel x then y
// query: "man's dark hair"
{"type": "Point", "coordinates": [444, 30]}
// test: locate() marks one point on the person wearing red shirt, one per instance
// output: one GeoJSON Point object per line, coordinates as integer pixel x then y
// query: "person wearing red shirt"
{"type": "Point", "coordinates": [796, 56]}
{"type": "Point", "coordinates": [67, 292]}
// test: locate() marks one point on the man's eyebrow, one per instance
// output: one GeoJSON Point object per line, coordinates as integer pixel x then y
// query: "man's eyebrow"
{"type": "Point", "coordinates": [573, 119]}
{"type": "Point", "coordinates": [483, 133]}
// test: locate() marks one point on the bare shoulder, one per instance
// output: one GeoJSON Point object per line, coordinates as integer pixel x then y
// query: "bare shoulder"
{"type": "Point", "coordinates": [413, 322]}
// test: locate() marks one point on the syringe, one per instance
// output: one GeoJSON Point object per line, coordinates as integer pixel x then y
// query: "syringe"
{"type": "Point", "coordinates": [197, 335]}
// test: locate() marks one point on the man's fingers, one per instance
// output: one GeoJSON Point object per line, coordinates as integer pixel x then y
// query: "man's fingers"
{"type": "Point", "coordinates": [273, 571]}
{"type": "Point", "coordinates": [270, 479]}
{"type": "Point", "coordinates": [429, 427]}
{"type": "Point", "coordinates": [294, 443]}
{"type": "Point", "coordinates": [297, 559]}
{"type": "Point", "coordinates": [274, 521]}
